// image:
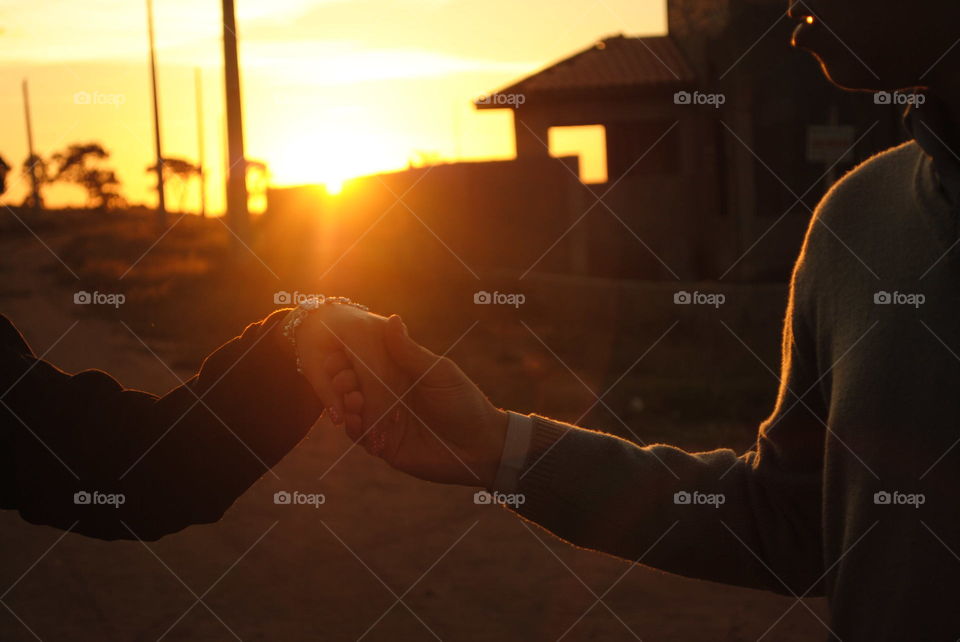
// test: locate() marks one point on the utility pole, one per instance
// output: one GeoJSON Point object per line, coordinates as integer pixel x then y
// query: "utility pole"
{"type": "Point", "coordinates": [198, 90]}
{"type": "Point", "coordinates": [161, 204]}
{"type": "Point", "coordinates": [237, 215]}
{"type": "Point", "coordinates": [37, 202]}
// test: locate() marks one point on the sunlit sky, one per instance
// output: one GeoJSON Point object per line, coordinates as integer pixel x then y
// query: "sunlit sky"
{"type": "Point", "coordinates": [331, 88]}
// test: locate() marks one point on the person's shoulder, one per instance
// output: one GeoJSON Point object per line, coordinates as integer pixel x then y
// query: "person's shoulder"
{"type": "Point", "coordinates": [9, 335]}
{"type": "Point", "coordinates": [884, 180]}
{"type": "Point", "coordinates": [13, 350]}
{"type": "Point", "coordinates": [894, 163]}
{"type": "Point", "coordinates": [880, 189]}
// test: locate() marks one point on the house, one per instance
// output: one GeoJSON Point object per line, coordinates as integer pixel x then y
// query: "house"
{"type": "Point", "coordinates": [720, 139]}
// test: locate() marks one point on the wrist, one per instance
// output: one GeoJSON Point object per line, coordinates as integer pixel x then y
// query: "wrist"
{"type": "Point", "coordinates": [279, 338]}
{"type": "Point", "coordinates": [494, 433]}
{"type": "Point", "coordinates": [308, 313]}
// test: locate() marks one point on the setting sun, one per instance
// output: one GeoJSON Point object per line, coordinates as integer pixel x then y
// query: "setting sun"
{"type": "Point", "coordinates": [331, 157]}
{"type": "Point", "coordinates": [333, 187]}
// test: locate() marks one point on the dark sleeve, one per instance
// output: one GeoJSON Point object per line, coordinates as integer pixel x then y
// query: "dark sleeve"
{"type": "Point", "coordinates": [175, 460]}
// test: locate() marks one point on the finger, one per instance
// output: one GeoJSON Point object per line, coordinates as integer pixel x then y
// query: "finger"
{"type": "Point", "coordinates": [353, 402]}
{"type": "Point", "coordinates": [413, 358]}
{"type": "Point", "coordinates": [336, 361]}
{"type": "Point", "coordinates": [345, 381]}
{"type": "Point", "coordinates": [354, 426]}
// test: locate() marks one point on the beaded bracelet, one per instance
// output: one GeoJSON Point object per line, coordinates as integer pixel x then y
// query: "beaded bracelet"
{"type": "Point", "coordinates": [304, 308]}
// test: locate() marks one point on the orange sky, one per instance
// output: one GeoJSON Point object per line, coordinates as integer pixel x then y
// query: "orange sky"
{"type": "Point", "coordinates": [331, 88]}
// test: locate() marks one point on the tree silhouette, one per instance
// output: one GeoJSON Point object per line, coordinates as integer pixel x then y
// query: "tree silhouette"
{"type": "Point", "coordinates": [80, 164]}
{"type": "Point", "coordinates": [4, 168]}
{"type": "Point", "coordinates": [177, 171]}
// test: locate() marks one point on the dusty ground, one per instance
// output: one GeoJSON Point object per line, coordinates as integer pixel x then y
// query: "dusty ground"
{"type": "Point", "coordinates": [268, 572]}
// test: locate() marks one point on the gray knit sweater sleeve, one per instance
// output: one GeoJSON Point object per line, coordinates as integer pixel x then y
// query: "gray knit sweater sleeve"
{"type": "Point", "coordinates": [752, 520]}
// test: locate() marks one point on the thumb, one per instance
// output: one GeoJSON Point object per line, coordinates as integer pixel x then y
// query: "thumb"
{"type": "Point", "coordinates": [409, 355]}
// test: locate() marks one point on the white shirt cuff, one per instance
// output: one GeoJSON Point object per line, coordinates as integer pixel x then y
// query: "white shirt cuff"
{"type": "Point", "coordinates": [516, 446]}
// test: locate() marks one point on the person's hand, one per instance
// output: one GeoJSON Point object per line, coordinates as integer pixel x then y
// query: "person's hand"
{"type": "Point", "coordinates": [337, 345]}
{"type": "Point", "coordinates": [442, 428]}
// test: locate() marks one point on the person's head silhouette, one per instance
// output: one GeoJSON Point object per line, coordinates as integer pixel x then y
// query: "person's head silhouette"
{"type": "Point", "coordinates": [881, 46]}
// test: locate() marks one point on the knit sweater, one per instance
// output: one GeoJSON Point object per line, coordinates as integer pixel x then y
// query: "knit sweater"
{"type": "Point", "coordinates": [851, 490]}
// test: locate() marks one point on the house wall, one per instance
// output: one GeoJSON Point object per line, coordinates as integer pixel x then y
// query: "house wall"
{"type": "Point", "coordinates": [521, 217]}
{"type": "Point", "coordinates": [663, 214]}
{"type": "Point", "coordinates": [463, 218]}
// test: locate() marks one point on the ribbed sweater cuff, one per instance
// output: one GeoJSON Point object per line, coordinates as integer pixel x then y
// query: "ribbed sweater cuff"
{"type": "Point", "coordinates": [538, 481]}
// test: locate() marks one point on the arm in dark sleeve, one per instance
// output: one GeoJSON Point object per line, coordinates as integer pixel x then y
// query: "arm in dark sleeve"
{"type": "Point", "coordinates": [763, 527]}
{"type": "Point", "coordinates": [177, 460]}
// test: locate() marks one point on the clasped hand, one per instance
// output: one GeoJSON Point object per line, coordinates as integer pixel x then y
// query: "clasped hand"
{"type": "Point", "coordinates": [414, 409]}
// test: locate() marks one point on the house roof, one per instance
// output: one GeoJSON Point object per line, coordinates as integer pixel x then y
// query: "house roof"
{"type": "Point", "coordinates": [616, 63]}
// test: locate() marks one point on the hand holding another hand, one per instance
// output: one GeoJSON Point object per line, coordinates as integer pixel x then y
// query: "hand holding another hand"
{"type": "Point", "coordinates": [416, 410]}
{"type": "Point", "coordinates": [448, 431]}
{"type": "Point", "coordinates": [325, 338]}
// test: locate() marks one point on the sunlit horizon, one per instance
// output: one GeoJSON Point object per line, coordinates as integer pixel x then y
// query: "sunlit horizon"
{"type": "Point", "coordinates": [329, 94]}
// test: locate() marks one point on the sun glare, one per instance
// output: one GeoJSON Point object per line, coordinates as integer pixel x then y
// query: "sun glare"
{"type": "Point", "coordinates": [334, 186]}
{"type": "Point", "coordinates": [331, 159]}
